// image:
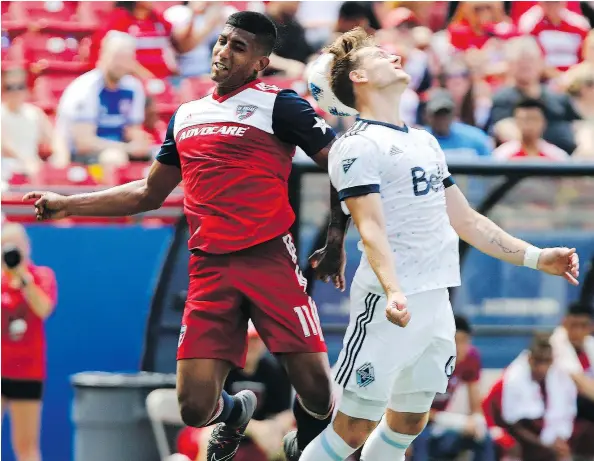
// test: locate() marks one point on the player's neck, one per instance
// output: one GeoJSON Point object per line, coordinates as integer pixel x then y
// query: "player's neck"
{"type": "Point", "coordinates": [382, 107]}
{"type": "Point", "coordinates": [226, 89]}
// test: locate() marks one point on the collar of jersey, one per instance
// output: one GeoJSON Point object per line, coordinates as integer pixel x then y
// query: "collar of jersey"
{"type": "Point", "coordinates": [404, 128]}
{"type": "Point", "coordinates": [224, 97]}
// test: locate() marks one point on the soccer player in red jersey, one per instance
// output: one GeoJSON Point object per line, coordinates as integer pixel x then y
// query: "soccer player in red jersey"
{"type": "Point", "coordinates": [233, 149]}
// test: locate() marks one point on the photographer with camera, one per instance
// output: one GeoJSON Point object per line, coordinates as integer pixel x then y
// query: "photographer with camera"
{"type": "Point", "coordinates": [28, 298]}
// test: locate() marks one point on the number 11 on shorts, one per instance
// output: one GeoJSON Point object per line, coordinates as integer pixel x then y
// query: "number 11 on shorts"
{"type": "Point", "coordinates": [309, 319]}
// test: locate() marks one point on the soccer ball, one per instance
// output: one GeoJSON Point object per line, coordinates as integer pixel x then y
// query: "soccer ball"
{"type": "Point", "coordinates": [319, 86]}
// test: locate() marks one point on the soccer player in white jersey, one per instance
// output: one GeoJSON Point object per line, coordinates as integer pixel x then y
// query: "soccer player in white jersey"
{"type": "Point", "coordinates": [399, 347]}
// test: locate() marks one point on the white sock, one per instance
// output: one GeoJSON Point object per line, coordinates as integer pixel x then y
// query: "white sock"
{"type": "Point", "coordinates": [386, 445]}
{"type": "Point", "coordinates": [328, 446]}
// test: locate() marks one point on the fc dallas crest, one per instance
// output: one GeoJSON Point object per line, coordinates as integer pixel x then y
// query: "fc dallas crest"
{"type": "Point", "coordinates": [245, 111]}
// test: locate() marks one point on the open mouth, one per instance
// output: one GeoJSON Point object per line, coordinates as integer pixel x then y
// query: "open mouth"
{"type": "Point", "coordinates": [220, 66]}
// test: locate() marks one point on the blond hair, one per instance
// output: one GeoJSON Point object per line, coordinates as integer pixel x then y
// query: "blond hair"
{"type": "Point", "coordinates": [344, 50]}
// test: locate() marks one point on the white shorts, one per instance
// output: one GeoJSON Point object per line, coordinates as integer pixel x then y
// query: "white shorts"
{"type": "Point", "coordinates": [384, 366]}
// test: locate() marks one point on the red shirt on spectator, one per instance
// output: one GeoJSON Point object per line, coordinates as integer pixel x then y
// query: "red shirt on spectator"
{"type": "Point", "coordinates": [561, 43]}
{"type": "Point", "coordinates": [519, 8]}
{"type": "Point", "coordinates": [23, 333]}
{"type": "Point", "coordinates": [466, 371]}
{"type": "Point", "coordinates": [492, 411]}
{"type": "Point", "coordinates": [515, 150]}
{"type": "Point", "coordinates": [463, 36]}
{"type": "Point", "coordinates": [152, 35]}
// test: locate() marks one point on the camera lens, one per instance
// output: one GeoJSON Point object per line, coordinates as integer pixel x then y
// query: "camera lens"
{"type": "Point", "coordinates": [11, 256]}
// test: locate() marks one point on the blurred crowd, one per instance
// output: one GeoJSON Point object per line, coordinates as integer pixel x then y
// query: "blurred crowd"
{"type": "Point", "coordinates": [94, 83]}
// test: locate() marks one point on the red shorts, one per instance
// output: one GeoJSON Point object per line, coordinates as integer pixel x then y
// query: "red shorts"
{"type": "Point", "coordinates": [263, 283]}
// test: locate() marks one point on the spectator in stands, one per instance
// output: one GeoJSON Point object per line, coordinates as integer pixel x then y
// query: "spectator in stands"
{"type": "Point", "coordinates": [157, 41]}
{"type": "Point", "coordinates": [451, 432]}
{"type": "Point", "coordinates": [472, 98]}
{"type": "Point", "coordinates": [273, 417]}
{"type": "Point", "coordinates": [538, 403]}
{"type": "Point", "coordinates": [529, 118]}
{"type": "Point", "coordinates": [573, 350]}
{"type": "Point", "coordinates": [292, 49]}
{"type": "Point", "coordinates": [579, 84]}
{"type": "Point", "coordinates": [101, 112]}
{"type": "Point", "coordinates": [26, 130]}
{"type": "Point", "coordinates": [559, 31]}
{"type": "Point", "coordinates": [153, 125]}
{"type": "Point", "coordinates": [456, 139]}
{"type": "Point", "coordinates": [28, 298]}
{"type": "Point", "coordinates": [205, 19]}
{"type": "Point", "coordinates": [352, 15]}
{"type": "Point", "coordinates": [319, 20]}
{"type": "Point", "coordinates": [526, 67]}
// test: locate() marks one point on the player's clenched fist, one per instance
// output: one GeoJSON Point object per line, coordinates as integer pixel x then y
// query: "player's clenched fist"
{"type": "Point", "coordinates": [48, 205]}
{"type": "Point", "coordinates": [396, 310]}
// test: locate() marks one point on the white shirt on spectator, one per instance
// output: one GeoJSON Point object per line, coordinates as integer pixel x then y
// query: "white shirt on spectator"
{"type": "Point", "coordinates": [87, 100]}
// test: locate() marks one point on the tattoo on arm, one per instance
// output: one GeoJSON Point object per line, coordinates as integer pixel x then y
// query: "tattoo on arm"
{"type": "Point", "coordinates": [497, 240]}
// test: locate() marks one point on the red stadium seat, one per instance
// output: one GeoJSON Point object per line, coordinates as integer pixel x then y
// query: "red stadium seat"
{"type": "Point", "coordinates": [12, 53]}
{"type": "Point", "coordinates": [94, 12]}
{"type": "Point", "coordinates": [70, 175]}
{"type": "Point", "coordinates": [164, 94]}
{"type": "Point", "coordinates": [12, 25]}
{"type": "Point", "coordinates": [196, 88]}
{"type": "Point", "coordinates": [48, 89]}
{"type": "Point", "coordinates": [132, 172]}
{"type": "Point", "coordinates": [47, 53]}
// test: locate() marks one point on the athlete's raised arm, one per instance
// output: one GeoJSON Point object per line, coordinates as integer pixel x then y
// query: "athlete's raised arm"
{"type": "Point", "coordinates": [127, 199]}
{"type": "Point", "coordinates": [486, 236]}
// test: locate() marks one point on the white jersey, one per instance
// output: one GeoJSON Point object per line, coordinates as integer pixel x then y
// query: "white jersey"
{"type": "Point", "coordinates": [408, 168]}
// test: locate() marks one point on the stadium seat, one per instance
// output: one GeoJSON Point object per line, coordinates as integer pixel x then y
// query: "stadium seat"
{"type": "Point", "coordinates": [70, 175]}
{"type": "Point", "coordinates": [132, 172]}
{"type": "Point", "coordinates": [162, 408]}
{"type": "Point", "coordinates": [48, 89]}
{"type": "Point", "coordinates": [47, 53]}
{"type": "Point", "coordinates": [165, 95]}
{"type": "Point", "coordinates": [195, 88]}
{"type": "Point", "coordinates": [94, 13]}
{"type": "Point", "coordinates": [11, 25]}
{"type": "Point", "coordinates": [12, 53]}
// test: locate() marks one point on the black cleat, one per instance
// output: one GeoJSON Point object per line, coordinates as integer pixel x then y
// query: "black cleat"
{"type": "Point", "coordinates": [290, 447]}
{"type": "Point", "coordinates": [224, 440]}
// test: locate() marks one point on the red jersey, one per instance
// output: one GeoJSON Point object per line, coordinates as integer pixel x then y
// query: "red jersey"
{"type": "Point", "coordinates": [467, 371]}
{"type": "Point", "coordinates": [514, 150]}
{"type": "Point", "coordinates": [23, 334]}
{"type": "Point", "coordinates": [152, 36]}
{"type": "Point", "coordinates": [561, 43]}
{"type": "Point", "coordinates": [235, 153]}
{"type": "Point", "coordinates": [519, 8]}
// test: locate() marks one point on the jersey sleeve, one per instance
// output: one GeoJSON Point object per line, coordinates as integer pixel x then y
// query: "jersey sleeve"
{"type": "Point", "coordinates": [77, 106]}
{"type": "Point", "coordinates": [168, 154]}
{"type": "Point", "coordinates": [295, 122]}
{"type": "Point", "coordinates": [354, 169]}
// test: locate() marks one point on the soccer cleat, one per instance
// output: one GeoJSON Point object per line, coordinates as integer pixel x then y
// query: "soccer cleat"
{"type": "Point", "coordinates": [290, 447]}
{"type": "Point", "coordinates": [224, 440]}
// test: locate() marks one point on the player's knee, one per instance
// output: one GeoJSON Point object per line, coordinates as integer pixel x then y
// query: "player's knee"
{"type": "Point", "coordinates": [196, 411]}
{"type": "Point", "coordinates": [354, 431]}
{"type": "Point", "coordinates": [316, 393]}
{"type": "Point", "coordinates": [26, 451]}
{"type": "Point", "coordinates": [406, 423]}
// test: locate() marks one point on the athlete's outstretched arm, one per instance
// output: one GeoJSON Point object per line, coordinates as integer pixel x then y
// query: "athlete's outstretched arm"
{"type": "Point", "coordinates": [483, 234]}
{"type": "Point", "coordinates": [127, 199]}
